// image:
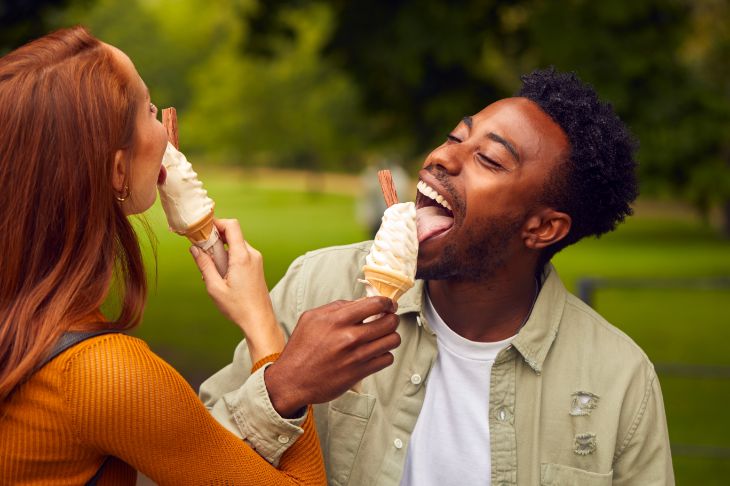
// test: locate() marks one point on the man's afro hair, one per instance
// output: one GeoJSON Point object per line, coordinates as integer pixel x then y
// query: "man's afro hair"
{"type": "Point", "coordinates": [597, 183]}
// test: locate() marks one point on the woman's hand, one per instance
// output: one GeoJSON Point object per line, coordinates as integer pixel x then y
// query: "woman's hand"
{"type": "Point", "coordinates": [242, 295]}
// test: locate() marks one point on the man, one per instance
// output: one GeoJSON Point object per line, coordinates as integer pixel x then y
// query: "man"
{"type": "Point", "coordinates": [502, 376]}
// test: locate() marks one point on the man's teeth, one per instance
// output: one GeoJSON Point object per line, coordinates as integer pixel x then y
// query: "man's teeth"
{"type": "Point", "coordinates": [428, 191]}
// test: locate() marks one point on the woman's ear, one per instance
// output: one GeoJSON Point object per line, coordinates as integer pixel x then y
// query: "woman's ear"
{"type": "Point", "coordinates": [119, 172]}
{"type": "Point", "coordinates": [545, 228]}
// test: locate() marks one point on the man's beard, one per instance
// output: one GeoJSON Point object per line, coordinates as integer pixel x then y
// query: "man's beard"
{"type": "Point", "coordinates": [484, 252]}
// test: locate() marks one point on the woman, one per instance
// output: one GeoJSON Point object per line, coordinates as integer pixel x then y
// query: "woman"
{"type": "Point", "coordinates": [81, 149]}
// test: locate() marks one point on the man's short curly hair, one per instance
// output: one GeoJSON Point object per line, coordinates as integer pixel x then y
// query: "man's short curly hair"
{"type": "Point", "coordinates": [596, 183]}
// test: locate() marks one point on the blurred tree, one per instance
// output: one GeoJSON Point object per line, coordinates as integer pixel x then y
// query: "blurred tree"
{"type": "Point", "coordinates": [166, 39]}
{"type": "Point", "coordinates": [677, 107]}
{"type": "Point", "coordinates": [287, 108]}
{"type": "Point", "coordinates": [24, 20]}
{"type": "Point", "coordinates": [706, 52]}
{"type": "Point", "coordinates": [417, 63]}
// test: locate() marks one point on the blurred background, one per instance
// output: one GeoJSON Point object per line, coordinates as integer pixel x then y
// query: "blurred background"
{"type": "Point", "coordinates": [287, 108]}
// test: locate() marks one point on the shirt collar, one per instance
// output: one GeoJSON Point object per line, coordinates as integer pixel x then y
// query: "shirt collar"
{"type": "Point", "coordinates": [536, 337]}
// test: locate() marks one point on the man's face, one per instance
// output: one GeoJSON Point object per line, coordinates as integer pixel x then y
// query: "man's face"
{"type": "Point", "coordinates": [490, 171]}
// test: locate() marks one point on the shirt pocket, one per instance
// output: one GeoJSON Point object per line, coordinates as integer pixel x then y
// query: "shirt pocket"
{"type": "Point", "coordinates": [348, 416]}
{"type": "Point", "coordinates": [560, 475]}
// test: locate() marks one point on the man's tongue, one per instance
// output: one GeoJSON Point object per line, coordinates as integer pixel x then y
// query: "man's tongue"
{"type": "Point", "coordinates": [432, 220]}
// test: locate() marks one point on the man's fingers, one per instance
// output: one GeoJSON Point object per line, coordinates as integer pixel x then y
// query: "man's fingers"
{"type": "Point", "coordinates": [376, 364]}
{"type": "Point", "coordinates": [205, 265]}
{"type": "Point", "coordinates": [332, 306]}
{"type": "Point", "coordinates": [378, 328]}
{"type": "Point", "coordinates": [375, 348]}
{"type": "Point", "coordinates": [360, 310]}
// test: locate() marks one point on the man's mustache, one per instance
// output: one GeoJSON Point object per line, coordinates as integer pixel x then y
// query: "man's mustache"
{"type": "Point", "coordinates": [440, 175]}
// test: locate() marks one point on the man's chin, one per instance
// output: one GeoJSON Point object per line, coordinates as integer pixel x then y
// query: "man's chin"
{"type": "Point", "coordinates": [438, 267]}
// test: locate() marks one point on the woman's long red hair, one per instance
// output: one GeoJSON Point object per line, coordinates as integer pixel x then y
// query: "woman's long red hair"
{"type": "Point", "coordinates": [65, 109]}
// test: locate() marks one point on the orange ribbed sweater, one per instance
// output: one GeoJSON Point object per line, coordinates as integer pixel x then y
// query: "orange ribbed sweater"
{"type": "Point", "coordinates": [112, 396]}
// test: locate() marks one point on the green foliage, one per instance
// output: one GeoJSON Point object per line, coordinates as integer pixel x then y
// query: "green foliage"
{"type": "Point", "coordinates": [24, 20]}
{"type": "Point", "coordinates": [288, 108]}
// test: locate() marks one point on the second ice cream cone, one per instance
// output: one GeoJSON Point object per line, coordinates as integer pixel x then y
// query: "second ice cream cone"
{"type": "Point", "coordinates": [387, 284]}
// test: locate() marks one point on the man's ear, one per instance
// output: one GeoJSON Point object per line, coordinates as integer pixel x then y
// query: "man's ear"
{"type": "Point", "coordinates": [545, 228]}
{"type": "Point", "coordinates": [119, 172]}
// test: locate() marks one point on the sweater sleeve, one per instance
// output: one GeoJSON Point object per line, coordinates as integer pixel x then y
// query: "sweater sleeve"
{"type": "Point", "coordinates": [125, 401]}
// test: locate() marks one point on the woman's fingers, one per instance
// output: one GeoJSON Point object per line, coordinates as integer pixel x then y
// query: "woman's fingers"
{"type": "Point", "coordinates": [206, 265]}
{"type": "Point", "coordinates": [239, 251]}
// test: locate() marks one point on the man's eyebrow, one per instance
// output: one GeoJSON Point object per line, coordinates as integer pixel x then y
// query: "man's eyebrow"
{"type": "Point", "coordinates": [467, 121]}
{"type": "Point", "coordinates": [507, 145]}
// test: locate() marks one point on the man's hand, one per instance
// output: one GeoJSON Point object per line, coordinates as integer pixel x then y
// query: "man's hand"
{"type": "Point", "coordinates": [330, 350]}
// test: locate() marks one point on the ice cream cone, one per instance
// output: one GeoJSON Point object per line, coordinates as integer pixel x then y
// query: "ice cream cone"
{"type": "Point", "coordinates": [201, 231]}
{"type": "Point", "coordinates": [388, 284]}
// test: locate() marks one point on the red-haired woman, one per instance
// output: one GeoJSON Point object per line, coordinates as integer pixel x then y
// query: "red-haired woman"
{"type": "Point", "coordinates": [80, 150]}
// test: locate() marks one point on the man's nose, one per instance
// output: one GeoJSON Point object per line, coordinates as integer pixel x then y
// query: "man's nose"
{"type": "Point", "coordinates": [448, 157]}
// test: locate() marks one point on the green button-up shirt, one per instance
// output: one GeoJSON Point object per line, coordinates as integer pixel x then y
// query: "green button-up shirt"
{"type": "Point", "coordinates": [573, 400]}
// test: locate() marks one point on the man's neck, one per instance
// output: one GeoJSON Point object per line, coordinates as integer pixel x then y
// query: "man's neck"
{"type": "Point", "coordinates": [485, 311]}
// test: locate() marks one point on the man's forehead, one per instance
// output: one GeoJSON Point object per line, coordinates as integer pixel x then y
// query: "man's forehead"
{"type": "Point", "coordinates": [513, 106]}
{"type": "Point", "coordinates": [521, 120]}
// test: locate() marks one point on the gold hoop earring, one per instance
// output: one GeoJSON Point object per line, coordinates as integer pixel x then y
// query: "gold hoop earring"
{"type": "Point", "coordinates": [125, 195]}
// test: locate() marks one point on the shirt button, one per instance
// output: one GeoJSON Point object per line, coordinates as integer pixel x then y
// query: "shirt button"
{"type": "Point", "coordinates": [398, 443]}
{"type": "Point", "coordinates": [502, 414]}
{"type": "Point", "coordinates": [283, 439]}
{"type": "Point", "coordinates": [416, 379]}
{"type": "Point", "coordinates": [418, 321]}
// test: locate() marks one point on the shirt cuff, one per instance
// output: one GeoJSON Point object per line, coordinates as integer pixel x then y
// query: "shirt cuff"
{"type": "Point", "coordinates": [261, 426]}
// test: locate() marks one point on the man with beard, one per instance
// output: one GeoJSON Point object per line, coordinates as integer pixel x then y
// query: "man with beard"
{"type": "Point", "coordinates": [502, 377]}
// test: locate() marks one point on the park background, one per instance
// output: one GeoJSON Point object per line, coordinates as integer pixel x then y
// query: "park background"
{"type": "Point", "coordinates": [282, 104]}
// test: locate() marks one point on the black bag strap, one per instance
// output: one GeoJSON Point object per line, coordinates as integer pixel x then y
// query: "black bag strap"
{"type": "Point", "coordinates": [69, 340]}
{"type": "Point", "coordinates": [99, 472]}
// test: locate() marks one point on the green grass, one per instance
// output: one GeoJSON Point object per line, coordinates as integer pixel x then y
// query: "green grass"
{"type": "Point", "coordinates": [672, 326]}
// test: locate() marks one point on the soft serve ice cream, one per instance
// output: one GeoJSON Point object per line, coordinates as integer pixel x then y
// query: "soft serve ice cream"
{"type": "Point", "coordinates": [390, 267]}
{"type": "Point", "coordinates": [188, 208]}
{"type": "Point", "coordinates": [185, 202]}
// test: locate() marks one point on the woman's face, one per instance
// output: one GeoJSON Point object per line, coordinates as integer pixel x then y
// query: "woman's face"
{"type": "Point", "coordinates": [150, 141]}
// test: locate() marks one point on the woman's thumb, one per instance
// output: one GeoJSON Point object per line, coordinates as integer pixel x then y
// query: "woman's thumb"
{"type": "Point", "coordinates": [205, 264]}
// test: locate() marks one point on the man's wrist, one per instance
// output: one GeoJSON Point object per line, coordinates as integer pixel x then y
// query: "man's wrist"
{"type": "Point", "coordinates": [282, 393]}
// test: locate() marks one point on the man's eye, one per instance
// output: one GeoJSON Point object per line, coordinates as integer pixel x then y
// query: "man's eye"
{"type": "Point", "coordinates": [452, 138]}
{"type": "Point", "coordinates": [153, 108]}
{"type": "Point", "coordinates": [490, 162]}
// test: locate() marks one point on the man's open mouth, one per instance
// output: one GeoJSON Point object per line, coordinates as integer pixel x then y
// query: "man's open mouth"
{"type": "Point", "coordinates": [434, 213]}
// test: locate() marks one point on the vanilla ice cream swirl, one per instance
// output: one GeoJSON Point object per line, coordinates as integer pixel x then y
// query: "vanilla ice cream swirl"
{"type": "Point", "coordinates": [183, 198]}
{"type": "Point", "coordinates": [396, 244]}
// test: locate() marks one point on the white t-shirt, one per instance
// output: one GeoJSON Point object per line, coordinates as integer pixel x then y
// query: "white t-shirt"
{"type": "Point", "coordinates": [450, 443]}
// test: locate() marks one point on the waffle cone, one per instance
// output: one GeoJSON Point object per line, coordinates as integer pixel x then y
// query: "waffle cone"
{"type": "Point", "coordinates": [201, 231]}
{"type": "Point", "coordinates": [388, 284]}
